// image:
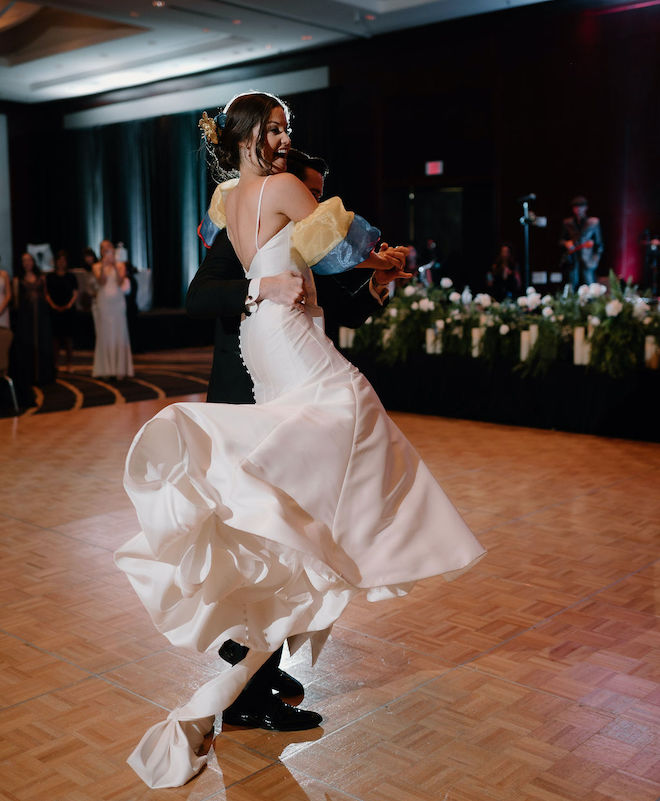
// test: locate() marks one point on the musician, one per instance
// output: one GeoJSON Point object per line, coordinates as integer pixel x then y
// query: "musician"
{"type": "Point", "coordinates": [582, 241]}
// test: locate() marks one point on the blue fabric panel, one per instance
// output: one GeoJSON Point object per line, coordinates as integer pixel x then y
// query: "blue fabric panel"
{"type": "Point", "coordinates": [207, 231]}
{"type": "Point", "coordinates": [353, 249]}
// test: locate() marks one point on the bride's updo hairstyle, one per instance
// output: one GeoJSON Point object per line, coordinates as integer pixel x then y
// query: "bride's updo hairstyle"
{"type": "Point", "coordinates": [234, 126]}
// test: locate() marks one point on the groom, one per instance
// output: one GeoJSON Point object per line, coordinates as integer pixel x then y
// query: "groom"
{"type": "Point", "coordinates": [220, 290]}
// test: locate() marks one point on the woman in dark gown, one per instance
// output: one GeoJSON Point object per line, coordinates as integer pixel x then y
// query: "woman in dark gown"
{"type": "Point", "coordinates": [61, 294]}
{"type": "Point", "coordinates": [31, 358]}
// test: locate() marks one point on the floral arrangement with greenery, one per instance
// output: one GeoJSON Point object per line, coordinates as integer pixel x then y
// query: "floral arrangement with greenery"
{"type": "Point", "coordinates": [616, 322]}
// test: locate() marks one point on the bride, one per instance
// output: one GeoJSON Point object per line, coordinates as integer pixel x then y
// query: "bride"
{"type": "Point", "coordinates": [261, 522]}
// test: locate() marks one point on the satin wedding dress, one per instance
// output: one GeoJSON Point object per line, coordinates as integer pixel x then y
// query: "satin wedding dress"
{"type": "Point", "coordinates": [261, 522]}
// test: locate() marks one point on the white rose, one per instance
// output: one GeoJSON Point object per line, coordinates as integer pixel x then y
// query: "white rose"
{"type": "Point", "coordinates": [504, 329]}
{"type": "Point", "coordinates": [445, 282]}
{"type": "Point", "coordinates": [531, 290]}
{"type": "Point", "coordinates": [409, 290]}
{"type": "Point", "coordinates": [594, 290]}
{"type": "Point", "coordinates": [640, 309]}
{"type": "Point", "coordinates": [533, 300]}
{"type": "Point", "coordinates": [647, 321]}
{"type": "Point", "coordinates": [439, 324]}
{"type": "Point", "coordinates": [547, 311]}
{"type": "Point", "coordinates": [426, 305]}
{"type": "Point", "coordinates": [414, 305]}
{"type": "Point", "coordinates": [455, 297]}
{"type": "Point", "coordinates": [595, 321]}
{"type": "Point", "coordinates": [546, 300]}
{"type": "Point", "coordinates": [613, 308]}
{"type": "Point", "coordinates": [369, 320]}
{"type": "Point", "coordinates": [482, 300]}
{"type": "Point", "coordinates": [522, 302]}
{"type": "Point", "coordinates": [392, 311]}
{"type": "Point", "coordinates": [583, 291]}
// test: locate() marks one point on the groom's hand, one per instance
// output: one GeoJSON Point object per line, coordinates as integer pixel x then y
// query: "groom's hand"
{"type": "Point", "coordinates": [395, 266]}
{"type": "Point", "coordinates": [286, 288]}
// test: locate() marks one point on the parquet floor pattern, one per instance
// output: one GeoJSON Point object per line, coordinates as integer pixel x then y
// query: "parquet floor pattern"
{"type": "Point", "coordinates": [534, 677]}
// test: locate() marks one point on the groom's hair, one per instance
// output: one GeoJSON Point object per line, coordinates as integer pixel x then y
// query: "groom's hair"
{"type": "Point", "coordinates": [297, 161]}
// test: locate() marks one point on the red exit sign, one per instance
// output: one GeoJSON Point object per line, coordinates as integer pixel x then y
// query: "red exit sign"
{"type": "Point", "coordinates": [434, 167]}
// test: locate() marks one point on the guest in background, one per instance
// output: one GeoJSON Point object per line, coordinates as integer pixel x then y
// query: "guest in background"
{"type": "Point", "coordinates": [86, 282]}
{"type": "Point", "coordinates": [31, 357]}
{"type": "Point", "coordinates": [5, 298]}
{"type": "Point", "coordinates": [132, 307]}
{"type": "Point", "coordinates": [411, 259]}
{"type": "Point", "coordinates": [503, 280]}
{"type": "Point", "coordinates": [112, 353]}
{"type": "Point", "coordinates": [61, 294]}
{"type": "Point", "coordinates": [582, 241]}
{"type": "Point", "coordinates": [436, 266]}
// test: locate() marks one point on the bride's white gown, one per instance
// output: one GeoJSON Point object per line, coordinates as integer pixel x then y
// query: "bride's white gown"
{"type": "Point", "coordinates": [261, 522]}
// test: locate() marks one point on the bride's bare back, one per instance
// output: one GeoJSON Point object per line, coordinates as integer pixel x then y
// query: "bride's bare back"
{"type": "Point", "coordinates": [283, 198]}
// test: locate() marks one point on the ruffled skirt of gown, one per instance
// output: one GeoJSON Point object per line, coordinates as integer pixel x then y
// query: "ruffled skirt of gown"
{"type": "Point", "coordinates": [260, 522]}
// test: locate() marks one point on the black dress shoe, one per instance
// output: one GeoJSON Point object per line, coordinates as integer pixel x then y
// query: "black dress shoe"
{"type": "Point", "coordinates": [232, 652]}
{"type": "Point", "coordinates": [286, 685]}
{"type": "Point", "coordinates": [279, 680]}
{"type": "Point", "coordinates": [273, 715]}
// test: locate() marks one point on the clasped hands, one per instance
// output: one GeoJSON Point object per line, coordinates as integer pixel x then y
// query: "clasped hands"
{"type": "Point", "coordinates": [288, 288]}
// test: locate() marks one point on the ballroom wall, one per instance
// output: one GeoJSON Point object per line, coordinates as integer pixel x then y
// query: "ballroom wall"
{"type": "Point", "coordinates": [555, 99]}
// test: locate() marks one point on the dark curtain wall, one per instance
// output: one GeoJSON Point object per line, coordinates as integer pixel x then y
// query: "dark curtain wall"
{"type": "Point", "coordinates": [144, 183]}
{"type": "Point", "coordinates": [556, 99]}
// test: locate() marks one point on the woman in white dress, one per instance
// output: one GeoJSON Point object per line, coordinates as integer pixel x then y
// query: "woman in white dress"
{"type": "Point", "coordinates": [112, 352]}
{"type": "Point", "coordinates": [261, 522]}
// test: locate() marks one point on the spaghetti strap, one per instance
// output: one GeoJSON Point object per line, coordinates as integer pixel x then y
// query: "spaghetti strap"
{"type": "Point", "coordinates": [256, 231]}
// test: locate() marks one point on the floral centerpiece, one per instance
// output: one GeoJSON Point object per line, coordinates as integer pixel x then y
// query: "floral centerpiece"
{"type": "Point", "coordinates": [611, 326]}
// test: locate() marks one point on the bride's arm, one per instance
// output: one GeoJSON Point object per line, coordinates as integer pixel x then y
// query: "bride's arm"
{"type": "Point", "coordinates": [291, 197]}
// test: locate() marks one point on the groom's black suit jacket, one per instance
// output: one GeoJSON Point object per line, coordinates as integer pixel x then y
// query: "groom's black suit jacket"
{"type": "Point", "coordinates": [220, 288]}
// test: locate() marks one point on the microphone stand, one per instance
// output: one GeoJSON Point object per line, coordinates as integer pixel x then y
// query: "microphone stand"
{"type": "Point", "coordinates": [526, 221]}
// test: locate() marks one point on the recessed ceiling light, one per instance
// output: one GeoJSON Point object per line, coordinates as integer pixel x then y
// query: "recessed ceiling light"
{"type": "Point", "coordinates": [306, 38]}
{"type": "Point", "coordinates": [158, 3]}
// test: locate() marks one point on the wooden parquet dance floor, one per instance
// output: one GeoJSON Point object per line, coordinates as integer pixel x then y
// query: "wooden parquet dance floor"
{"type": "Point", "coordinates": [534, 677]}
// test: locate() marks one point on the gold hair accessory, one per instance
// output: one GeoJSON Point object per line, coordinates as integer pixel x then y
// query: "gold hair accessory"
{"type": "Point", "coordinates": [209, 128]}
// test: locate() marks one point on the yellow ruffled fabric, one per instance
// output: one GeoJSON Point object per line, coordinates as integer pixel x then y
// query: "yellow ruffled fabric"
{"type": "Point", "coordinates": [317, 234]}
{"type": "Point", "coordinates": [217, 206]}
{"type": "Point", "coordinates": [313, 237]}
